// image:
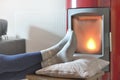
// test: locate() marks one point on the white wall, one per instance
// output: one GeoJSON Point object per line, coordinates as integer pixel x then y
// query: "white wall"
{"type": "Point", "coordinates": [40, 22]}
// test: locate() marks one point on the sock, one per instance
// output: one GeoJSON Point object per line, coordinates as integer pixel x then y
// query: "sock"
{"type": "Point", "coordinates": [50, 52]}
{"type": "Point", "coordinates": [65, 54]}
{"type": "Point", "coordinates": [51, 61]}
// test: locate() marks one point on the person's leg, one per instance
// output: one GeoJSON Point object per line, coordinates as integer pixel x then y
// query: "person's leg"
{"type": "Point", "coordinates": [19, 75]}
{"type": "Point", "coordinates": [50, 52]}
{"type": "Point", "coordinates": [65, 54]}
{"type": "Point", "coordinates": [18, 62]}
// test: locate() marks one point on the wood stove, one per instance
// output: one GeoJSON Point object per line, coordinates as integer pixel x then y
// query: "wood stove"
{"type": "Point", "coordinates": [92, 28]}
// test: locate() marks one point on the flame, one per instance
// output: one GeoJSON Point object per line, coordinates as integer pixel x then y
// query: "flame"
{"type": "Point", "coordinates": [91, 44]}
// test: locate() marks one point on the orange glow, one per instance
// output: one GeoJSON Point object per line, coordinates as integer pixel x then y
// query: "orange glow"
{"type": "Point", "coordinates": [91, 44]}
{"type": "Point", "coordinates": [88, 30]}
{"type": "Point", "coordinates": [89, 17]}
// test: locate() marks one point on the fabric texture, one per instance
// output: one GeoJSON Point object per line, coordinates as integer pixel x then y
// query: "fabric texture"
{"type": "Point", "coordinates": [50, 52]}
{"type": "Point", "coordinates": [19, 62]}
{"type": "Point", "coordinates": [81, 68]}
{"type": "Point", "coordinates": [65, 54]}
{"type": "Point", "coordinates": [98, 76]}
{"type": "Point", "coordinates": [19, 75]}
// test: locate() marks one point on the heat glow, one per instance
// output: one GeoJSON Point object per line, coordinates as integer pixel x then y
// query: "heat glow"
{"type": "Point", "coordinates": [91, 45]}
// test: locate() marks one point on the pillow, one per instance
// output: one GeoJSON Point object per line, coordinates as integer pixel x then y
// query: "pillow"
{"type": "Point", "coordinates": [80, 68]}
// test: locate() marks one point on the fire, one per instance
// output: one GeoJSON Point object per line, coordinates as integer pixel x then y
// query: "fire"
{"type": "Point", "coordinates": [91, 44]}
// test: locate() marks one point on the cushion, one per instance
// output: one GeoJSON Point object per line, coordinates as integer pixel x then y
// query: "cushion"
{"type": "Point", "coordinates": [80, 68]}
{"type": "Point", "coordinates": [98, 76]}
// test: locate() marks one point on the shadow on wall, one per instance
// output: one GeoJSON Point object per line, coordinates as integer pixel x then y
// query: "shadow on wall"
{"type": "Point", "coordinates": [39, 39]}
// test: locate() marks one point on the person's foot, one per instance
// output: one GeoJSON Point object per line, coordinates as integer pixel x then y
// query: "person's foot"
{"type": "Point", "coordinates": [65, 54]}
{"type": "Point", "coordinates": [51, 61]}
{"type": "Point", "coordinates": [50, 52]}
